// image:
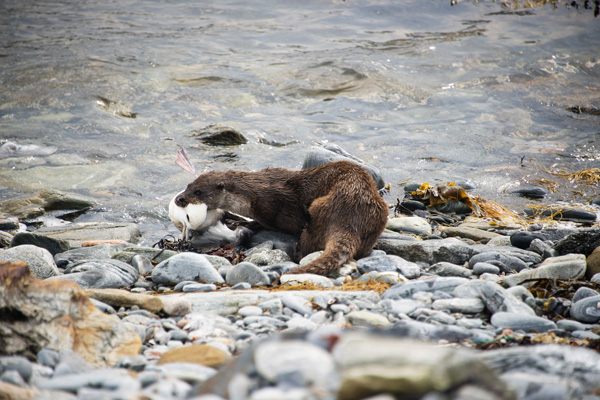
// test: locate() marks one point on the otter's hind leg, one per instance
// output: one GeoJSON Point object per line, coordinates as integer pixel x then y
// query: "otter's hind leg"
{"type": "Point", "coordinates": [314, 235]}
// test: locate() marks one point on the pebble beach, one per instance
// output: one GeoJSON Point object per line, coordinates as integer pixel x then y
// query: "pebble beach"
{"type": "Point", "coordinates": [476, 309]}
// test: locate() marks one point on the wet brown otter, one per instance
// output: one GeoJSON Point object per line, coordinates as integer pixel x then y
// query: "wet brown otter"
{"type": "Point", "coordinates": [334, 207]}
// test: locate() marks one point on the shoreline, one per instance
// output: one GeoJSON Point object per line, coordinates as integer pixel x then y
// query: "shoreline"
{"type": "Point", "coordinates": [485, 293]}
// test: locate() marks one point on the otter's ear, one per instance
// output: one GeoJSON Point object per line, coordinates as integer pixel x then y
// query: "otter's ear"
{"type": "Point", "coordinates": [221, 185]}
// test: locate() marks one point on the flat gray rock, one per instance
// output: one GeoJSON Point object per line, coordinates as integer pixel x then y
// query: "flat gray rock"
{"type": "Point", "coordinates": [522, 322]}
{"type": "Point", "coordinates": [101, 274]}
{"type": "Point", "coordinates": [186, 267]}
{"type": "Point", "coordinates": [76, 233]}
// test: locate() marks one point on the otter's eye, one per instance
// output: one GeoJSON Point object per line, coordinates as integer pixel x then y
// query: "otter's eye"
{"type": "Point", "coordinates": [197, 193]}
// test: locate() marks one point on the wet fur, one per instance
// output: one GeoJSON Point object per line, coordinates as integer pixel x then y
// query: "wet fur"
{"type": "Point", "coordinates": [334, 207]}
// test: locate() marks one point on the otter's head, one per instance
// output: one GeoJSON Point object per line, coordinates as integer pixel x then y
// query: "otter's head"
{"type": "Point", "coordinates": [208, 188]}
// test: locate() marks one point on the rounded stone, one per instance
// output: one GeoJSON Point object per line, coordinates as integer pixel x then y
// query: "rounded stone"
{"type": "Point", "coordinates": [587, 310]}
{"type": "Point", "coordinates": [40, 261]}
{"type": "Point", "coordinates": [524, 322]}
{"type": "Point", "coordinates": [247, 272]}
{"type": "Point", "coordinates": [186, 266]}
{"type": "Point", "coordinates": [522, 240]}
{"type": "Point", "coordinates": [484, 267]}
{"type": "Point", "coordinates": [532, 192]}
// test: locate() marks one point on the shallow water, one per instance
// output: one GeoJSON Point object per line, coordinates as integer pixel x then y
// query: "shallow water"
{"type": "Point", "coordinates": [423, 90]}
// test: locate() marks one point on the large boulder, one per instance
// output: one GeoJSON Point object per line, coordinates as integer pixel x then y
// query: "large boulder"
{"type": "Point", "coordinates": [58, 315]}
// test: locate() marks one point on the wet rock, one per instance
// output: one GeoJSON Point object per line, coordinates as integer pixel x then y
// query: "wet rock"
{"type": "Point", "coordinates": [564, 214]}
{"type": "Point", "coordinates": [453, 207]}
{"type": "Point", "coordinates": [54, 246]}
{"type": "Point", "coordinates": [477, 235]}
{"type": "Point", "coordinates": [127, 253]}
{"type": "Point", "coordinates": [449, 269]}
{"type": "Point", "coordinates": [522, 240]}
{"type": "Point", "coordinates": [569, 266]}
{"type": "Point", "coordinates": [312, 279]}
{"type": "Point", "coordinates": [583, 242]}
{"type": "Point", "coordinates": [429, 251]}
{"type": "Point", "coordinates": [331, 152]}
{"type": "Point", "coordinates": [218, 135]}
{"type": "Point", "coordinates": [411, 206]}
{"type": "Point", "coordinates": [45, 201]}
{"type": "Point", "coordinates": [100, 252]}
{"type": "Point", "coordinates": [123, 298]}
{"type": "Point", "coordinates": [531, 192]}
{"type": "Point", "coordinates": [40, 261]}
{"type": "Point", "coordinates": [76, 233]}
{"type": "Point", "coordinates": [414, 225]}
{"type": "Point", "coordinates": [407, 289]}
{"type": "Point", "coordinates": [186, 267]}
{"type": "Point", "coordinates": [8, 223]}
{"type": "Point", "coordinates": [57, 315]}
{"type": "Point", "coordinates": [505, 262]}
{"type": "Point", "coordinates": [587, 310]}
{"type": "Point", "coordinates": [101, 274]}
{"type": "Point", "coordinates": [196, 353]}
{"type": "Point", "coordinates": [407, 368]}
{"type": "Point", "coordinates": [388, 263]}
{"type": "Point", "coordinates": [523, 322]}
{"type": "Point", "coordinates": [247, 272]}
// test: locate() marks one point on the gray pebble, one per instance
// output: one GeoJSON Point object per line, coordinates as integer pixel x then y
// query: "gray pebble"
{"type": "Point", "coordinates": [186, 266]}
{"type": "Point", "coordinates": [247, 272]}
{"type": "Point", "coordinates": [484, 267]}
{"type": "Point", "coordinates": [527, 323]}
{"type": "Point", "coordinates": [587, 310]}
{"type": "Point", "coordinates": [199, 287]}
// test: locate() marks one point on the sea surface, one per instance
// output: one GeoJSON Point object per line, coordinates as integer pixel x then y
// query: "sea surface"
{"type": "Point", "coordinates": [97, 97]}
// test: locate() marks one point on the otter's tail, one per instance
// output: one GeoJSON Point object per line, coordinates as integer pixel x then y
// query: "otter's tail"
{"type": "Point", "coordinates": [338, 251]}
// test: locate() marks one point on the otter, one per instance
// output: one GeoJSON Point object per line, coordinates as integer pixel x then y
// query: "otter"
{"type": "Point", "coordinates": [334, 207]}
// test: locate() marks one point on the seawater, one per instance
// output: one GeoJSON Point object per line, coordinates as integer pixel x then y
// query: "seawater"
{"type": "Point", "coordinates": [109, 91]}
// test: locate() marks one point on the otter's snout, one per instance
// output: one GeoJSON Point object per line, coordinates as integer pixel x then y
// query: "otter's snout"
{"type": "Point", "coordinates": [181, 201]}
